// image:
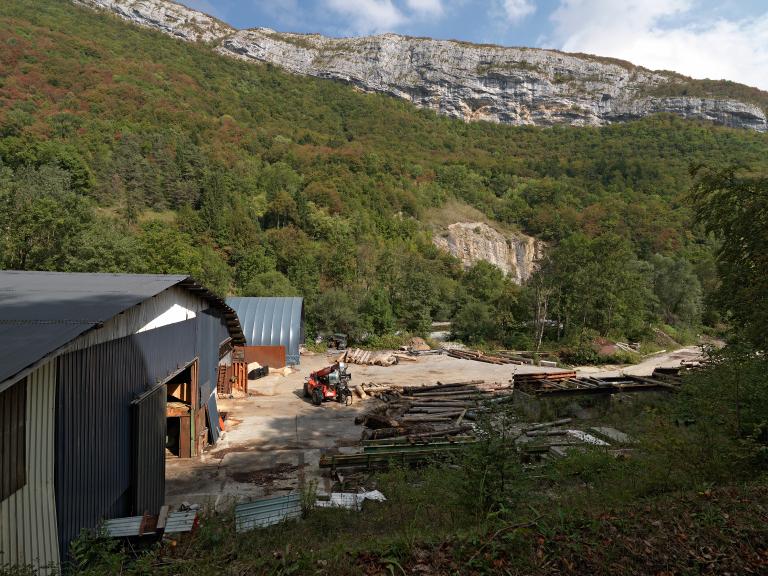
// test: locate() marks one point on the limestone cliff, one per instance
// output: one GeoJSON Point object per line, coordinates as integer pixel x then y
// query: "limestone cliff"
{"type": "Point", "coordinates": [468, 81]}
{"type": "Point", "coordinates": [470, 242]}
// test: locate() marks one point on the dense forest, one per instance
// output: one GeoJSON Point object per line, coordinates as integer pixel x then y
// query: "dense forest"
{"type": "Point", "coordinates": [123, 150]}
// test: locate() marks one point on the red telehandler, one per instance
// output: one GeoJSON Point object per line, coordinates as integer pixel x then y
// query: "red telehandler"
{"type": "Point", "coordinates": [329, 383]}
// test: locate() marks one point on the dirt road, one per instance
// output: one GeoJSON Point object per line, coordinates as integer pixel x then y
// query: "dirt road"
{"type": "Point", "coordinates": [646, 367]}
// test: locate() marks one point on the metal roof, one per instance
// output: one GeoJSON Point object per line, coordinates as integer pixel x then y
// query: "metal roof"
{"type": "Point", "coordinates": [272, 322]}
{"type": "Point", "coordinates": [42, 311]}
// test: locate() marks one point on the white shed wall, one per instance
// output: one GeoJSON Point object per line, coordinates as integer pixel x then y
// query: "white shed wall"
{"type": "Point", "coordinates": [169, 307]}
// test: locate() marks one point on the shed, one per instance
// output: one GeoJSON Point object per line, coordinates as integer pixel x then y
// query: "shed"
{"type": "Point", "coordinates": [272, 322]}
{"type": "Point", "coordinates": [88, 363]}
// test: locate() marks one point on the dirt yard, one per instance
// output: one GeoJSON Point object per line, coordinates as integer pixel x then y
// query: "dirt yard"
{"type": "Point", "coordinates": [274, 439]}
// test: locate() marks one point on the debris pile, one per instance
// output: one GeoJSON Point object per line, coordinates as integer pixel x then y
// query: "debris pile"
{"type": "Point", "coordinates": [369, 357]}
{"type": "Point", "coordinates": [417, 344]}
{"type": "Point", "coordinates": [549, 440]}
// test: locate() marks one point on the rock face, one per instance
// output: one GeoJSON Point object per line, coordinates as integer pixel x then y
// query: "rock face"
{"type": "Point", "coordinates": [168, 17]}
{"type": "Point", "coordinates": [471, 242]}
{"type": "Point", "coordinates": [468, 81]}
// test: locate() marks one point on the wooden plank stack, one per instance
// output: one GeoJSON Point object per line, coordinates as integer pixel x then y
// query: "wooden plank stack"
{"type": "Point", "coordinates": [481, 357]}
{"type": "Point", "coordinates": [566, 383]}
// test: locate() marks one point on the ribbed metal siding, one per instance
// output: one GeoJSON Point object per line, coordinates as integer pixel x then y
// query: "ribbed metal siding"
{"type": "Point", "coordinates": [93, 429]}
{"type": "Point", "coordinates": [149, 421]}
{"type": "Point", "coordinates": [272, 322]}
{"type": "Point", "coordinates": [211, 332]}
{"type": "Point", "coordinates": [28, 517]}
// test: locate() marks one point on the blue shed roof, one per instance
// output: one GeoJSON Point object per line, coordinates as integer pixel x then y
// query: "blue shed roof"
{"type": "Point", "coordinates": [272, 322]}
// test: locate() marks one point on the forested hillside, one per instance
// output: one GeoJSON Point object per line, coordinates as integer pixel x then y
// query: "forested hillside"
{"type": "Point", "coordinates": [125, 150]}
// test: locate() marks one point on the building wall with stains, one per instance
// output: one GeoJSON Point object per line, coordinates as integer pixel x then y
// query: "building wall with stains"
{"type": "Point", "coordinates": [28, 524]}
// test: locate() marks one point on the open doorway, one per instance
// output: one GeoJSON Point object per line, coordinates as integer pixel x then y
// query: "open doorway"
{"type": "Point", "coordinates": [181, 408]}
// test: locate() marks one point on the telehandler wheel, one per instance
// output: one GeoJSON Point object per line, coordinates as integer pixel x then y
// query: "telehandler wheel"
{"type": "Point", "coordinates": [317, 397]}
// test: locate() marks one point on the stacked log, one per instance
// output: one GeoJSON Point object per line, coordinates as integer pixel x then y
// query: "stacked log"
{"type": "Point", "coordinates": [441, 409]}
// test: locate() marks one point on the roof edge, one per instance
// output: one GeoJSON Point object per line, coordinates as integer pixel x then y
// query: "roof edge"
{"type": "Point", "coordinates": [233, 322]}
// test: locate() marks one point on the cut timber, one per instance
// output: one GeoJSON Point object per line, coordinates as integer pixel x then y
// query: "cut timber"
{"type": "Point", "coordinates": [547, 425]}
{"type": "Point", "coordinates": [534, 433]}
{"type": "Point", "coordinates": [440, 386]}
{"type": "Point", "coordinates": [418, 419]}
{"type": "Point", "coordinates": [446, 394]}
{"type": "Point", "coordinates": [446, 432]}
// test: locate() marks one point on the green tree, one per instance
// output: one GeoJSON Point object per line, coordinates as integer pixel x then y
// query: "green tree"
{"type": "Point", "coordinates": [41, 220]}
{"type": "Point", "coordinates": [484, 281]}
{"type": "Point", "coordinates": [376, 312]}
{"type": "Point", "coordinates": [474, 323]}
{"type": "Point", "coordinates": [677, 290]}
{"type": "Point", "coordinates": [271, 283]}
{"type": "Point", "coordinates": [734, 206]}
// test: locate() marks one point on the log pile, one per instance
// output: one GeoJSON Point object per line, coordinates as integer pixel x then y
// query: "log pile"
{"type": "Point", "coordinates": [424, 411]}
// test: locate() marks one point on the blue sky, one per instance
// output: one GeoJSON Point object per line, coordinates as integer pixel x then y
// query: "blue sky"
{"type": "Point", "coordinates": [701, 38]}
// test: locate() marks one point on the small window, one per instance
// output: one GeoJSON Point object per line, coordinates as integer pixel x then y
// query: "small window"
{"type": "Point", "coordinates": [13, 446]}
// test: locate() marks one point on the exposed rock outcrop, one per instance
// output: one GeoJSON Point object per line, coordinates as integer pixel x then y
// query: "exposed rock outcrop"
{"type": "Point", "coordinates": [467, 81]}
{"type": "Point", "coordinates": [470, 242]}
{"type": "Point", "coordinates": [169, 17]}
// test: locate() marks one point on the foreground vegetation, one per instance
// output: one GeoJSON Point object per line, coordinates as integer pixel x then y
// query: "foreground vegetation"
{"type": "Point", "coordinates": [690, 497]}
{"type": "Point", "coordinates": [123, 150]}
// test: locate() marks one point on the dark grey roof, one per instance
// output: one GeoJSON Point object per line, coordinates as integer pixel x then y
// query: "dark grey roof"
{"type": "Point", "coordinates": [272, 322]}
{"type": "Point", "coordinates": [42, 311]}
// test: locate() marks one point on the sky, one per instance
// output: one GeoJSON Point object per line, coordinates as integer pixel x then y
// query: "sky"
{"type": "Point", "coordinates": [717, 39]}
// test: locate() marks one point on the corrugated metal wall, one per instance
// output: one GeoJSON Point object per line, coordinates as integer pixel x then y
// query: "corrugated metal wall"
{"type": "Point", "coordinates": [211, 332]}
{"type": "Point", "coordinates": [149, 421]}
{"type": "Point", "coordinates": [93, 430]}
{"type": "Point", "coordinates": [272, 322]}
{"type": "Point", "coordinates": [28, 517]}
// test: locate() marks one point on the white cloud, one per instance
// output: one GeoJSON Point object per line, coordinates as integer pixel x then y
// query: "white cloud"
{"type": "Point", "coordinates": [426, 7]}
{"type": "Point", "coordinates": [517, 10]}
{"type": "Point", "coordinates": [665, 35]}
{"type": "Point", "coordinates": [368, 16]}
